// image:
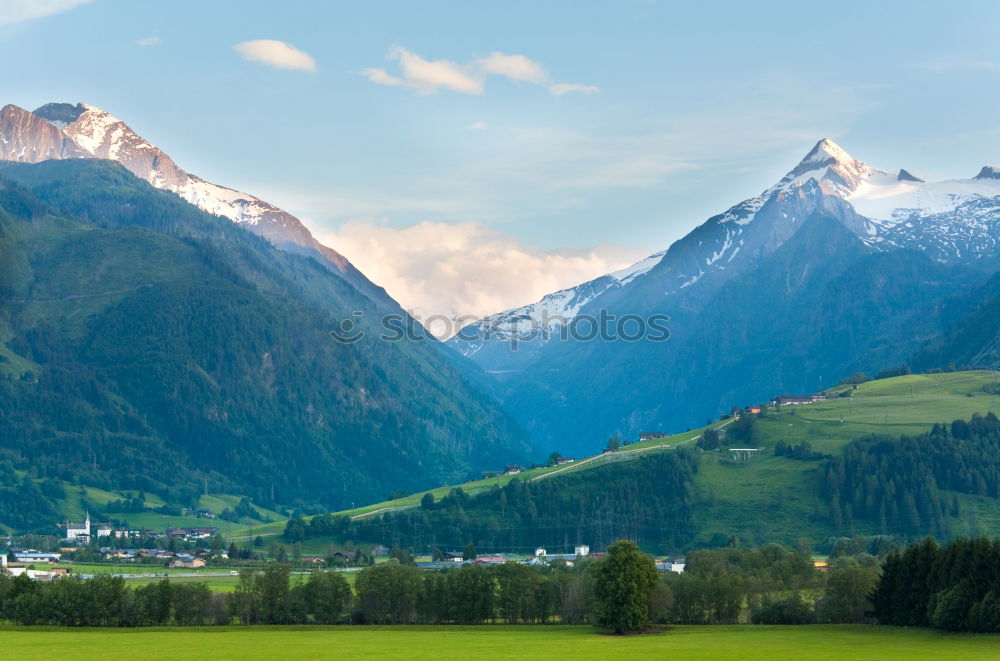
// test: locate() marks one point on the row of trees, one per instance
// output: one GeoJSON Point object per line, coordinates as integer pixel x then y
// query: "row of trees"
{"type": "Point", "coordinates": [622, 591]}
{"type": "Point", "coordinates": [106, 601]}
{"type": "Point", "coordinates": [955, 587]}
{"type": "Point", "coordinates": [770, 585]}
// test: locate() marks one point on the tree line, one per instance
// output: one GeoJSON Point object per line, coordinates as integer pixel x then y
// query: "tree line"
{"type": "Point", "coordinates": [621, 591]}
{"type": "Point", "coordinates": [954, 587]}
{"type": "Point", "coordinates": [910, 485]}
{"type": "Point", "coordinates": [646, 499]}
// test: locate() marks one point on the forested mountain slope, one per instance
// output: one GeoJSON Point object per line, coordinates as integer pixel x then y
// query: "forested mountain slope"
{"type": "Point", "coordinates": [145, 344]}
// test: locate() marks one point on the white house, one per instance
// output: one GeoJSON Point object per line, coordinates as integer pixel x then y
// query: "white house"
{"type": "Point", "coordinates": [581, 550]}
{"type": "Point", "coordinates": [104, 530]}
{"type": "Point", "coordinates": [540, 552]}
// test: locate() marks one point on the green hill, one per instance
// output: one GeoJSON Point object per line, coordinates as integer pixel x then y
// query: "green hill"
{"type": "Point", "coordinates": [776, 498]}
{"type": "Point", "coordinates": [768, 498]}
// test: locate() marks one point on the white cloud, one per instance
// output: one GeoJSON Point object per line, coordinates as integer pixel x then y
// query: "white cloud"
{"type": "Point", "coordinates": [565, 88]}
{"type": "Point", "coordinates": [515, 67]}
{"type": "Point", "coordinates": [148, 41]}
{"type": "Point", "coordinates": [275, 54]}
{"type": "Point", "coordinates": [15, 11]}
{"type": "Point", "coordinates": [477, 126]}
{"type": "Point", "coordinates": [459, 269]}
{"type": "Point", "coordinates": [381, 76]}
{"type": "Point", "coordinates": [427, 76]}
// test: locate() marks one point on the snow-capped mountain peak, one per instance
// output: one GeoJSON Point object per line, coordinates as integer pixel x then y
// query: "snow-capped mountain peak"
{"type": "Point", "coordinates": [948, 220]}
{"type": "Point", "coordinates": [827, 152]}
{"type": "Point", "coordinates": [831, 166]}
{"type": "Point", "coordinates": [96, 133]}
{"type": "Point", "coordinates": [105, 136]}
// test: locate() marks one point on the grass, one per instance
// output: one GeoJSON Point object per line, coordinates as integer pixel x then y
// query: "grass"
{"type": "Point", "coordinates": [719, 643]}
{"type": "Point", "coordinates": [215, 583]}
{"type": "Point", "coordinates": [775, 498]}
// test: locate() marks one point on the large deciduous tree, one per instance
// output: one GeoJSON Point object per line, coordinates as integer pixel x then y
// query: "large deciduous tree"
{"type": "Point", "coordinates": [623, 582]}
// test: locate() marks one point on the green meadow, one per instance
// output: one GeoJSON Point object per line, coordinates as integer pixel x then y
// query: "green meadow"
{"type": "Point", "coordinates": [558, 643]}
{"type": "Point", "coordinates": [773, 498]}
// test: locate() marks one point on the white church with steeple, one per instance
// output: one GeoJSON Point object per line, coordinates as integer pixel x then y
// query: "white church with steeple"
{"type": "Point", "coordinates": [78, 532]}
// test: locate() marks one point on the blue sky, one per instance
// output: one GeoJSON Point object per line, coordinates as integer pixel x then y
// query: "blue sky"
{"type": "Point", "coordinates": [681, 110]}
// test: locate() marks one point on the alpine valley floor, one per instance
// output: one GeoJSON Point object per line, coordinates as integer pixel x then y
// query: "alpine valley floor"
{"type": "Point", "coordinates": [692, 643]}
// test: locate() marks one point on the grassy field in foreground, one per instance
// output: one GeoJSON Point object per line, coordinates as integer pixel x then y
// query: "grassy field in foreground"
{"type": "Point", "coordinates": [746, 643]}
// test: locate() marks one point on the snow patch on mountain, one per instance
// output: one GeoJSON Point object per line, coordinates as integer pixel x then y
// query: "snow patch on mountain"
{"type": "Point", "coordinates": [536, 321]}
{"type": "Point", "coordinates": [889, 199]}
{"type": "Point", "coordinates": [630, 273]}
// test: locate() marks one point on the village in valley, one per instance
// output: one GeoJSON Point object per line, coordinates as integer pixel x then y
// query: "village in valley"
{"type": "Point", "coordinates": [204, 548]}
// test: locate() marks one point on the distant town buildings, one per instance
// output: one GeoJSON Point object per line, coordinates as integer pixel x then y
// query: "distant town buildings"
{"type": "Point", "coordinates": [192, 534]}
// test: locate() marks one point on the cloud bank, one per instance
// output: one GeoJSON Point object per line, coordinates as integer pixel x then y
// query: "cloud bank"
{"type": "Point", "coordinates": [275, 54]}
{"type": "Point", "coordinates": [457, 269]}
{"type": "Point", "coordinates": [15, 11]}
{"type": "Point", "coordinates": [429, 76]}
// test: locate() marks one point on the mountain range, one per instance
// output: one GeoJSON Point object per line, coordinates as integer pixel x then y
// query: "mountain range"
{"type": "Point", "coordinates": [149, 341]}
{"type": "Point", "coordinates": [838, 267]}
{"type": "Point", "coordinates": [162, 333]}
